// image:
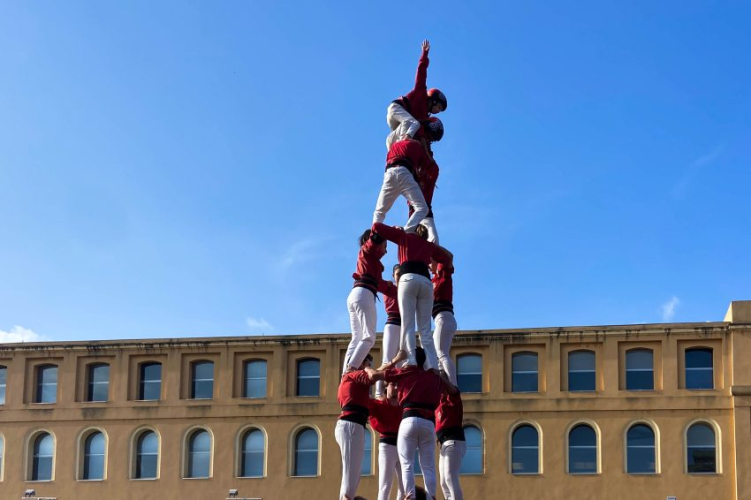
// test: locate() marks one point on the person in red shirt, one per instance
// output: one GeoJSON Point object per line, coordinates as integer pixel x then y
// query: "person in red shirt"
{"type": "Point", "coordinates": [354, 398]}
{"type": "Point", "coordinates": [450, 433]}
{"type": "Point", "coordinates": [385, 417]}
{"type": "Point", "coordinates": [361, 299]}
{"type": "Point", "coordinates": [427, 179]}
{"type": "Point", "coordinates": [415, 290]}
{"type": "Point", "coordinates": [443, 316]}
{"type": "Point", "coordinates": [392, 328]}
{"type": "Point", "coordinates": [419, 393]}
{"type": "Point", "coordinates": [405, 114]}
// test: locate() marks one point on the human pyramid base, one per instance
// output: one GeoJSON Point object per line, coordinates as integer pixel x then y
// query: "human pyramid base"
{"type": "Point", "coordinates": [416, 399]}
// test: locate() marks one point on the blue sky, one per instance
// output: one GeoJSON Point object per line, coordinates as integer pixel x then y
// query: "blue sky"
{"type": "Point", "coordinates": [172, 169]}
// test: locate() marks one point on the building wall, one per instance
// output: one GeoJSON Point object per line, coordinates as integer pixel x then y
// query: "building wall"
{"type": "Point", "coordinates": [669, 408]}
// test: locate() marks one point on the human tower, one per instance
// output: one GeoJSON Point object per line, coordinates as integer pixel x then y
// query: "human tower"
{"type": "Point", "coordinates": [416, 400]}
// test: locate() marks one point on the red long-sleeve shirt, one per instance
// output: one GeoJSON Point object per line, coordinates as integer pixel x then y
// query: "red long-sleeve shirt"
{"type": "Point", "coordinates": [416, 388]}
{"type": "Point", "coordinates": [369, 269]}
{"type": "Point", "coordinates": [443, 289]}
{"type": "Point", "coordinates": [391, 303]}
{"type": "Point", "coordinates": [412, 248]}
{"type": "Point", "coordinates": [416, 101]}
{"type": "Point", "coordinates": [354, 391]}
{"type": "Point", "coordinates": [409, 153]}
{"type": "Point", "coordinates": [384, 418]}
{"type": "Point", "coordinates": [450, 412]}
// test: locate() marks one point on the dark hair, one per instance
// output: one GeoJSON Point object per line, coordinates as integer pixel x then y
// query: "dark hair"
{"type": "Point", "coordinates": [364, 237]}
{"type": "Point", "coordinates": [420, 494]}
{"type": "Point", "coordinates": [422, 231]}
{"type": "Point", "coordinates": [369, 357]}
{"type": "Point", "coordinates": [420, 356]}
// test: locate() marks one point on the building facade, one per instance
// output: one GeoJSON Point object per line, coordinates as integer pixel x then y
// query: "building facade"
{"type": "Point", "coordinates": [618, 412]}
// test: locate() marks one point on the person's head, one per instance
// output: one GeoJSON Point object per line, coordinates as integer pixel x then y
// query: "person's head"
{"type": "Point", "coordinates": [437, 102]}
{"type": "Point", "coordinates": [434, 129]}
{"type": "Point", "coordinates": [396, 272]}
{"type": "Point", "coordinates": [365, 236]}
{"type": "Point", "coordinates": [367, 362]}
{"type": "Point", "coordinates": [380, 242]}
{"type": "Point", "coordinates": [420, 356]}
{"type": "Point", "coordinates": [420, 494]}
{"type": "Point", "coordinates": [390, 391]}
{"type": "Point", "coordinates": [422, 231]}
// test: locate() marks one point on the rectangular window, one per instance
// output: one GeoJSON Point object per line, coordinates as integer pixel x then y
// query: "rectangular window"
{"type": "Point", "coordinates": [46, 384]}
{"type": "Point", "coordinates": [581, 371]}
{"type": "Point", "coordinates": [640, 370]}
{"type": "Point", "coordinates": [469, 372]}
{"type": "Point", "coordinates": [524, 372]}
{"type": "Point", "coordinates": [99, 383]}
{"type": "Point", "coordinates": [308, 377]}
{"type": "Point", "coordinates": [255, 379]}
{"type": "Point", "coordinates": [150, 385]}
{"type": "Point", "coordinates": [699, 369]}
{"type": "Point", "coordinates": [3, 383]}
{"type": "Point", "coordinates": [202, 383]}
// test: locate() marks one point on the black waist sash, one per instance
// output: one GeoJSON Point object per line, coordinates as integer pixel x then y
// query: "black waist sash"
{"type": "Point", "coordinates": [359, 416]}
{"type": "Point", "coordinates": [415, 267]}
{"type": "Point", "coordinates": [452, 433]}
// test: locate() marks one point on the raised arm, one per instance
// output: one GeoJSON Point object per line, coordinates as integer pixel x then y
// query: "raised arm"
{"type": "Point", "coordinates": [443, 256]}
{"type": "Point", "coordinates": [391, 233]}
{"type": "Point", "coordinates": [421, 79]}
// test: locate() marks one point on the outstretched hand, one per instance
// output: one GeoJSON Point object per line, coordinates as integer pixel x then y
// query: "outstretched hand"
{"type": "Point", "coordinates": [425, 45]}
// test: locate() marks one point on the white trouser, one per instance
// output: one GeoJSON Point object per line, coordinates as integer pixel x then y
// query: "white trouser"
{"type": "Point", "coordinates": [416, 304]}
{"type": "Point", "coordinates": [445, 328]}
{"type": "Point", "coordinates": [351, 439]}
{"type": "Point", "coordinates": [417, 433]}
{"type": "Point", "coordinates": [449, 463]}
{"type": "Point", "coordinates": [400, 181]}
{"type": "Point", "coordinates": [362, 319]}
{"type": "Point", "coordinates": [388, 468]}
{"type": "Point", "coordinates": [429, 224]}
{"type": "Point", "coordinates": [389, 346]}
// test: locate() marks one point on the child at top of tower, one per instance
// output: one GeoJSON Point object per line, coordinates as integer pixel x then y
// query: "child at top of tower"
{"type": "Point", "coordinates": [406, 114]}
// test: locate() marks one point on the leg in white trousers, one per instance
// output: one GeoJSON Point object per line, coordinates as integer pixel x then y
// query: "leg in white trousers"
{"type": "Point", "coordinates": [388, 469]}
{"type": "Point", "coordinates": [362, 319]}
{"type": "Point", "coordinates": [398, 118]}
{"type": "Point", "coordinates": [416, 433]}
{"type": "Point", "coordinates": [445, 328]}
{"type": "Point", "coordinates": [449, 464]}
{"type": "Point", "coordinates": [429, 224]}
{"type": "Point", "coordinates": [400, 181]}
{"type": "Point", "coordinates": [351, 439]}
{"type": "Point", "coordinates": [390, 343]}
{"type": "Point", "coordinates": [416, 304]}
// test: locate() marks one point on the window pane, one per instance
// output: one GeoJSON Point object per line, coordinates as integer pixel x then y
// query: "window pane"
{"type": "Point", "coordinates": [469, 373]}
{"type": "Point", "coordinates": [99, 377]}
{"type": "Point", "coordinates": [582, 450]}
{"type": "Point", "coordinates": [199, 457]}
{"type": "Point", "coordinates": [2, 452]}
{"type": "Point", "coordinates": [46, 384]}
{"type": "Point", "coordinates": [699, 358]}
{"type": "Point", "coordinates": [147, 456]}
{"type": "Point", "coordinates": [253, 451]}
{"type": "Point", "coordinates": [366, 468]}
{"type": "Point", "coordinates": [581, 371]}
{"type": "Point", "coordinates": [639, 370]}
{"type": "Point", "coordinates": [524, 372]}
{"type": "Point", "coordinates": [524, 382]}
{"type": "Point", "coordinates": [151, 382]}
{"type": "Point", "coordinates": [699, 369]}
{"type": "Point", "coordinates": [308, 377]}
{"type": "Point", "coordinates": [701, 450]}
{"type": "Point", "coordinates": [43, 455]}
{"type": "Point", "coordinates": [640, 450]}
{"type": "Point", "coordinates": [306, 453]}
{"type": "Point", "coordinates": [472, 462]}
{"type": "Point", "coordinates": [93, 463]}
{"type": "Point", "coordinates": [203, 380]}
{"type": "Point", "coordinates": [255, 379]}
{"type": "Point", "coordinates": [3, 382]}
{"type": "Point", "coordinates": [525, 451]}
{"type": "Point", "coordinates": [581, 382]}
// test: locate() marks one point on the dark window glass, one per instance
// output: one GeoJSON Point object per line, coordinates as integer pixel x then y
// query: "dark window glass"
{"type": "Point", "coordinates": [252, 454]}
{"type": "Point", "coordinates": [306, 453]}
{"type": "Point", "coordinates": [147, 455]}
{"type": "Point", "coordinates": [2, 453]}
{"type": "Point", "coordinates": [255, 379]}
{"type": "Point", "coordinates": [582, 450]}
{"type": "Point", "coordinates": [93, 456]}
{"type": "Point", "coordinates": [640, 370]}
{"type": "Point", "coordinates": [308, 377]}
{"type": "Point", "coordinates": [581, 371]}
{"type": "Point", "coordinates": [699, 369]}
{"type": "Point", "coordinates": [3, 383]}
{"type": "Point", "coordinates": [150, 387]}
{"type": "Point", "coordinates": [46, 384]}
{"type": "Point", "coordinates": [99, 383]}
{"type": "Point", "coordinates": [469, 372]}
{"type": "Point", "coordinates": [41, 469]}
{"type": "Point", "coordinates": [524, 372]}
{"type": "Point", "coordinates": [472, 462]}
{"type": "Point", "coordinates": [366, 468]}
{"type": "Point", "coordinates": [199, 454]}
{"type": "Point", "coordinates": [525, 451]}
{"type": "Point", "coordinates": [202, 380]}
{"type": "Point", "coordinates": [640, 450]}
{"type": "Point", "coordinates": [701, 452]}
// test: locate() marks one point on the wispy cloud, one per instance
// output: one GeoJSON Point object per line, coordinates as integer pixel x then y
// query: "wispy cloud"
{"type": "Point", "coordinates": [668, 309]}
{"type": "Point", "coordinates": [258, 324]}
{"type": "Point", "coordinates": [20, 334]}
{"type": "Point", "coordinates": [680, 187]}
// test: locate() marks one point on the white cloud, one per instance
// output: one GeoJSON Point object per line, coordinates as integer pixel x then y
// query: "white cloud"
{"type": "Point", "coordinates": [20, 334]}
{"type": "Point", "coordinates": [258, 324]}
{"type": "Point", "coordinates": [668, 308]}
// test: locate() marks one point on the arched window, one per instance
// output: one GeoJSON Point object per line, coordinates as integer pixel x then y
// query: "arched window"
{"type": "Point", "coordinates": [366, 469]}
{"type": "Point", "coordinates": [253, 450]}
{"type": "Point", "coordinates": [701, 451]}
{"type": "Point", "coordinates": [202, 380]}
{"type": "Point", "coordinates": [255, 379]}
{"type": "Point", "coordinates": [147, 455]}
{"type": "Point", "coordinates": [582, 450]}
{"type": "Point", "coordinates": [308, 377]}
{"type": "Point", "coordinates": [306, 453]}
{"type": "Point", "coordinates": [581, 371]}
{"type": "Point", "coordinates": [3, 383]}
{"type": "Point", "coordinates": [640, 370]}
{"type": "Point", "coordinates": [640, 450]}
{"type": "Point", "coordinates": [2, 456]}
{"type": "Point", "coordinates": [525, 450]}
{"type": "Point", "coordinates": [43, 457]}
{"type": "Point", "coordinates": [472, 462]}
{"type": "Point", "coordinates": [199, 454]}
{"type": "Point", "coordinates": [524, 372]}
{"type": "Point", "coordinates": [699, 369]}
{"type": "Point", "coordinates": [46, 384]}
{"type": "Point", "coordinates": [150, 382]}
{"type": "Point", "coordinates": [98, 382]}
{"type": "Point", "coordinates": [469, 372]}
{"type": "Point", "coordinates": [93, 456]}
